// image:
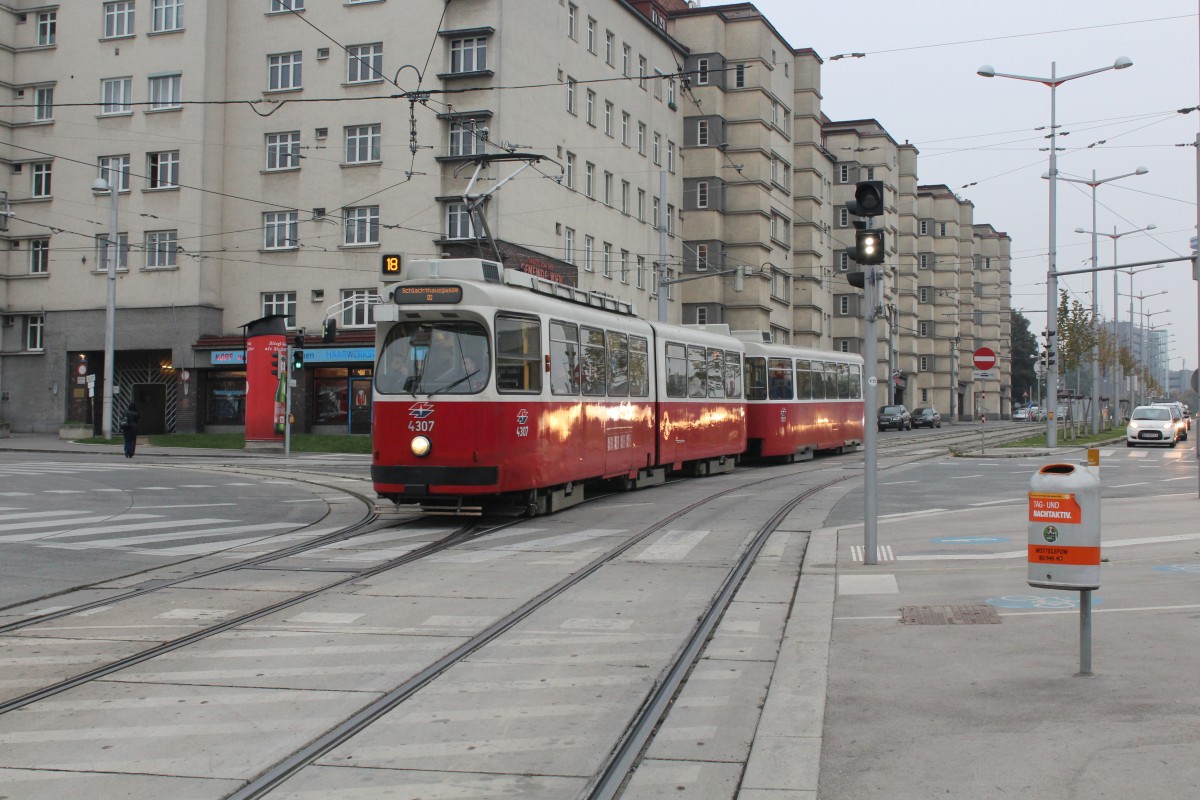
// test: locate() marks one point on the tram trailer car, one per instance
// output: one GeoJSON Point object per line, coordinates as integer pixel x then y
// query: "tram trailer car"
{"type": "Point", "coordinates": [498, 388]}
{"type": "Point", "coordinates": [800, 400]}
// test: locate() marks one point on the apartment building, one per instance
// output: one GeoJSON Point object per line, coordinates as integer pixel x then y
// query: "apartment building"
{"type": "Point", "coordinates": [269, 153]}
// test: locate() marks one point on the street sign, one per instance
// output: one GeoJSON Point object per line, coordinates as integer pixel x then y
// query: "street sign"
{"type": "Point", "coordinates": [987, 375]}
{"type": "Point", "coordinates": [985, 358]}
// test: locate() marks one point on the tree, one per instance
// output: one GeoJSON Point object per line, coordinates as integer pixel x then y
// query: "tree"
{"type": "Point", "coordinates": [1024, 353]}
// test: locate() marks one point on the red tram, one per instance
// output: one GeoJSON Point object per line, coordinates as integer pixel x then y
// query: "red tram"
{"type": "Point", "coordinates": [498, 388]}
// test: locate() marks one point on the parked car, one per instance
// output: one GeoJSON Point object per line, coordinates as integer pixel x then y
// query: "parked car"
{"type": "Point", "coordinates": [1024, 414]}
{"type": "Point", "coordinates": [926, 417]}
{"type": "Point", "coordinates": [1153, 425]}
{"type": "Point", "coordinates": [896, 417]}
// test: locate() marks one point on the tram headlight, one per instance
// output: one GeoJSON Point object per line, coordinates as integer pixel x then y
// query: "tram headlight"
{"type": "Point", "coordinates": [420, 446]}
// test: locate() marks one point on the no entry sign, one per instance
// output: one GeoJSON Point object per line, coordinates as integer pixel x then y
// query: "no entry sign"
{"type": "Point", "coordinates": [985, 358]}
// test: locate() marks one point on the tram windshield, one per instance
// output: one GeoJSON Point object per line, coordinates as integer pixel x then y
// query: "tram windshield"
{"type": "Point", "coordinates": [434, 358]}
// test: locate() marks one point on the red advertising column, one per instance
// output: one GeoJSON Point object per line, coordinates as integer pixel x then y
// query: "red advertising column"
{"type": "Point", "coordinates": [266, 353]}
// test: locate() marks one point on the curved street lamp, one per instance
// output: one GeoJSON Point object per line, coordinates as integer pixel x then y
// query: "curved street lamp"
{"type": "Point", "coordinates": [1054, 81]}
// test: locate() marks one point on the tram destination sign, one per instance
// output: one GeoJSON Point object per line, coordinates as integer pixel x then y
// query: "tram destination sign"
{"type": "Point", "coordinates": [427, 295]}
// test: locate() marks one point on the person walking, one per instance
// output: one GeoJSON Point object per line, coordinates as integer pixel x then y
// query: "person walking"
{"type": "Point", "coordinates": [130, 430]}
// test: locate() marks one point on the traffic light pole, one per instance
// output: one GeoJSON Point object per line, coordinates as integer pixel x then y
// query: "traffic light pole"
{"type": "Point", "coordinates": [870, 417]}
{"type": "Point", "coordinates": [287, 405]}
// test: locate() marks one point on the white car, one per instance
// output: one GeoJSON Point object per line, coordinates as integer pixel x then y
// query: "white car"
{"type": "Point", "coordinates": [1153, 425]}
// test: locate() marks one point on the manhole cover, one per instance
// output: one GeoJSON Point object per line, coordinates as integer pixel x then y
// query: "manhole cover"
{"type": "Point", "coordinates": [949, 615]}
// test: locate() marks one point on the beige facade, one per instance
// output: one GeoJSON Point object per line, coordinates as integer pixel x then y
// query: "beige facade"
{"type": "Point", "coordinates": [270, 157]}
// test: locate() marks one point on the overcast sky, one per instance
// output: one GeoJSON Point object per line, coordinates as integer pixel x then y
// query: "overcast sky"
{"type": "Point", "coordinates": [977, 135]}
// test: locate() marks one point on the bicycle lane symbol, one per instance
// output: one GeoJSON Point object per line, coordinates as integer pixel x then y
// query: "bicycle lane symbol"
{"type": "Point", "coordinates": [1043, 602]}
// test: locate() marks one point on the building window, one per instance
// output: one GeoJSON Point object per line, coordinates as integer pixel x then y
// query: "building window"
{"type": "Point", "coordinates": [362, 226]}
{"type": "Point", "coordinates": [161, 249]}
{"type": "Point", "coordinates": [569, 245]}
{"type": "Point", "coordinates": [589, 179]}
{"type": "Point", "coordinates": [589, 244]}
{"type": "Point", "coordinates": [844, 346]}
{"type": "Point", "coordinates": [701, 258]}
{"type": "Point", "coordinates": [642, 72]}
{"type": "Point", "coordinates": [941, 229]}
{"type": "Point", "coordinates": [843, 217]}
{"type": "Point", "coordinates": [641, 206]}
{"type": "Point", "coordinates": [625, 266]}
{"type": "Point", "coordinates": [606, 260]}
{"type": "Point", "coordinates": [843, 305]}
{"type": "Point", "coordinates": [35, 327]}
{"type": "Point", "coordinates": [702, 72]}
{"type": "Point", "coordinates": [923, 329]}
{"type": "Point", "coordinates": [589, 111]}
{"type": "Point", "coordinates": [118, 19]}
{"type": "Point", "coordinates": [116, 95]}
{"type": "Point", "coordinates": [468, 54]}
{"type": "Point", "coordinates": [658, 82]}
{"type": "Point", "coordinates": [923, 295]}
{"type": "Point", "coordinates": [166, 15]}
{"type": "Point", "coordinates": [923, 261]}
{"type": "Point", "coordinates": [570, 176]}
{"type": "Point", "coordinates": [356, 307]}
{"type": "Point", "coordinates": [924, 395]}
{"type": "Point", "coordinates": [702, 194]}
{"type": "Point", "coordinates": [843, 173]}
{"type": "Point", "coordinates": [166, 92]}
{"type": "Point", "coordinates": [467, 137]}
{"type": "Point", "coordinates": [608, 118]}
{"type": "Point", "coordinates": [670, 156]}
{"type": "Point", "coordinates": [625, 129]}
{"type": "Point", "coordinates": [656, 148]}
{"type": "Point", "coordinates": [626, 57]}
{"type": "Point", "coordinates": [39, 256]}
{"type": "Point", "coordinates": [364, 63]}
{"type": "Point", "coordinates": [572, 13]}
{"type": "Point", "coordinates": [458, 222]}
{"type": "Point", "coordinates": [278, 6]}
{"type": "Point", "coordinates": [280, 230]}
{"type": "Point", "coordinates": [121, 165]}
{"type": "Point", "coordinates": [702, 132]}
{"type": "Point", "coordinates": [163, 170]}
{"type": "Point", "coordinates": [104, 248]}
{"type": "Point", "coordinates": [570, 94]}
{"type": "Point", "coordinates": [608, 187]}
{"type": "Point", "coordinates": [641, 272]}
{"type": "Point", "coordinates": [670, 219]}
{"type": "Point", "coordinates": [923, 228]}
{"type": "Point", "coordinates": [624, 197]}
{"type": "Point", "coordinates": [281, 303]}
{"type": "Point", "coordinates": [739, 76]}
{"type": "Point", "coordinates": [641, 144]}
{"type": "Point", "coordinates": [285, 72]}
{"type": "Point", "coordinates": [923, 364]}
{"type": "Point", "coordinates": [41, 179]}
{"type": "Point", "coordinates": [43, 104]}
{"type": "Point", "coordinates": [654, 218]}
{"type": "Point", "coordinates": [363, 144]}
{"type": "Point", "coordinates": [47, 28]}
{"type": "Point", "coordinates": [870, 173]}
{"type": "Point", "coordinates": [283, 150]}
{"type": "Point", "coordinates": [591, 35]}
{"type": "Point", "coordinates": [987, 262]}
{"type": "Point", "coordinates": [610, 46]}
{"type": "Point", "coordinates": [843, 261]}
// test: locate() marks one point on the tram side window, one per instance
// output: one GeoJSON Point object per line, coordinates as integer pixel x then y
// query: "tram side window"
{"type": "Point", "coordinates": [716, 372]}
{"type": "Point", "coordinates": [518, 355]}
{"type": "Point", "coordinates": [618, 364]}
{"type": "Point", "coordinates": [639, 366]}
{"type": "Point", "coordinates": [593, 362]}
{"type": "Point", "coordinates": [831, 388]}
{"type": "Point", "coordinates": [697, 366]}
{"type": "Point", "coordinates": [755, 371]}
{"type": "Point", "coordinates": [804, 382]}
{"type": "Point", "coordinates": [781, 378]}
{"type": "Point", "coordinates": [818, 380]}
{"type": "Point", "coordinates": [855, 382]}
{"type": "Point", "coordinates": [843, 379]}
{"type": "Point", "coordinates": [564, 358]}
{"type": "Point", "coordinates": [676, 370]}
{"type": "Point", "coordinates": [733, 374]}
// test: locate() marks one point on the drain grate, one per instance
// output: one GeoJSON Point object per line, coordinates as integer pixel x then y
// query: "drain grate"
{"type": "Point", "coordinates": [949, 615]}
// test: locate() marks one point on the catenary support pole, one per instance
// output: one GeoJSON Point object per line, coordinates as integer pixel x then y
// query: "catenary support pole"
{"type": "Point", "coordinates": [870, 416]}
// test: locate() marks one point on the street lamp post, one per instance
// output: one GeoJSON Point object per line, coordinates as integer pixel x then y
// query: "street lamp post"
{"type": "Point", "coordinates": [1093, 183]}
{"type": "Point", "coordinates": [1115, 236]}
{"type": "Point", "coordinates": [1131, 296]}
{"type": "Point", "coordinates": [1054, 81]}
{"type": "Point", "coordinates": [1146, 315]}
{"type": "Point", "coordinates": [112, 252]}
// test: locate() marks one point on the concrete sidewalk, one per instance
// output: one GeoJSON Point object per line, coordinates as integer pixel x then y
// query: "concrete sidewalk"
{"type": "Point", "coordinates": [49, 443]}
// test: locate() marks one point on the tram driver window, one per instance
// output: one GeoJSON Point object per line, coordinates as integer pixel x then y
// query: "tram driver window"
{"type": "Point", "coordinates": [781, 378]}
{"type": "Point", "coordinates": [676, 358]}
{"type": "Point", "coordinates": [755, 372]}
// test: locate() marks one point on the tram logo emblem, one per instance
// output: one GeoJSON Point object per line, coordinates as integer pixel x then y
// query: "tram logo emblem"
{"type": "Point", "coordinates": [522, 416]}
{"type": "Point", "coordinates": [420, 410]}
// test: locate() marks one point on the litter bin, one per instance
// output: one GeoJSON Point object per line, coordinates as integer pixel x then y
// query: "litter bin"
{"type": "Point", "coordinates": [1064, 528]}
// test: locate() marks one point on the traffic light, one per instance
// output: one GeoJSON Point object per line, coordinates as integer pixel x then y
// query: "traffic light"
{"type": "Point", "coordinates": [276, 363]}
{"type": "Point", "coordinates": [868, 246]}
{"type": "Point", "coordinates": [857, 279]}
{"type": "Point", "coordinates": [298, 353]}
{"type": "Point", "coordinates": [389, 265]}
{"type": "Point", "coordinates": [329, 331]}
{"type": "Point", "coordinates": [868, 199]}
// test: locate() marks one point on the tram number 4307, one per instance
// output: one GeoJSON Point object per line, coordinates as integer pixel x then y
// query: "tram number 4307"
{"type": "Point", "coordinates": [420, 425]}
{"type": "Point", "coordinates": [522, 431]}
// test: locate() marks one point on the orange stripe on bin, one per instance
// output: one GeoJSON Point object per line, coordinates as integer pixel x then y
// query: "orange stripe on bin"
{"type": "Point", "coordinates": [1056, 554]}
